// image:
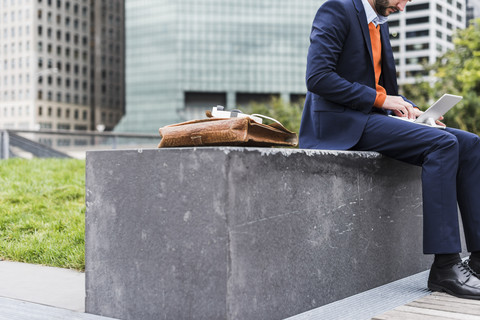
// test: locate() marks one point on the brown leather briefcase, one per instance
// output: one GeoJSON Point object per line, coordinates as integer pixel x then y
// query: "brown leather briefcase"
{"type": "Point", "coordinates": [226, 132]}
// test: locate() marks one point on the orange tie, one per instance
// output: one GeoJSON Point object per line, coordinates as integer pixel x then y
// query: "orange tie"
{"type": "Point", "coordinates": [377, 63]}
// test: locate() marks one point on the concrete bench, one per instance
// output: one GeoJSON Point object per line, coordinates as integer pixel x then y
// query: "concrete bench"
{"type": "Point", "coordinates": [245, 233]}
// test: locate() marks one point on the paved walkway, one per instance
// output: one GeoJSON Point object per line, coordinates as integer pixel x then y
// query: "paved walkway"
{"type": "Point", "coordinates": [366, 305]}
{"type": "Point", "coordinates": [55, 287]}
{"type": "Point", "coordinates": [33, 292]}
{"type": "Point", "coordinates": [36, 292]}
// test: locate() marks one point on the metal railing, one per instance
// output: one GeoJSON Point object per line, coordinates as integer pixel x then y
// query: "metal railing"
{"type": "Point", "coordinates": [64, 143]}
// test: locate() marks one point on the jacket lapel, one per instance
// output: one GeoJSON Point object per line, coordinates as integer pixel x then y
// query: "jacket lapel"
{"type": "Point", "coordinates": [388, 62]}
{"type": "Point", "coordinates": [362, 21]}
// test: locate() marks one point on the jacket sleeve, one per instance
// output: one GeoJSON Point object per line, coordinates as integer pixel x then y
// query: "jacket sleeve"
{"type": "Point", "coordinates": [330, 30]}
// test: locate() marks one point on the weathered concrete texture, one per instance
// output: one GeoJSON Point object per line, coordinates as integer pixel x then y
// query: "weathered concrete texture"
{"type": "Point", "coordinates": [245, 233]}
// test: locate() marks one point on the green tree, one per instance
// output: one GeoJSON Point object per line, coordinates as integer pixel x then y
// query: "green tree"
{"type": "Point", "coordinates": [289, 114]}
{"type": "Point", "coordinates": [456, 72]}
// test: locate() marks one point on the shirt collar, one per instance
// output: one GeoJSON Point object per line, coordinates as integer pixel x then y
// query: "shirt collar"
{"type": "Point", "coordinates": [372, 16]}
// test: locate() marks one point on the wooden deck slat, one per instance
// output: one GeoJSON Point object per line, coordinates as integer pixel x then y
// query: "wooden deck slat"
{"type": "Point", "coordinates": [439, 296]}
{"type": "Point", "coordinates": [450, 307]}
{"type": "Point", "coordinates": [438, 313]}
{"type": "Point", "coordinates": [417, 310]}
{"type": "Point", "coordinates": [438, 306]}
{"type": "Point", "coordinates": [402, 315]}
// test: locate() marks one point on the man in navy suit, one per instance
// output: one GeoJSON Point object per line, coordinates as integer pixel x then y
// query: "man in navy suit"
{"type": "Point", "coordinates": [352, 88]}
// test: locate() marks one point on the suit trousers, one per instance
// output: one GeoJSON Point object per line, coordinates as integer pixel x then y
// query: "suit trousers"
{"type": "Point", "coordinates": [450, 161]}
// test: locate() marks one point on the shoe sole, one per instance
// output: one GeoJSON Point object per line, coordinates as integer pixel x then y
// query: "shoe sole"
{"type": "Point", "coordinates": [438, 288]}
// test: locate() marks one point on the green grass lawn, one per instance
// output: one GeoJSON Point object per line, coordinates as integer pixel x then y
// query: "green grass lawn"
{"type": "Point", "coordinates": [42, 212]}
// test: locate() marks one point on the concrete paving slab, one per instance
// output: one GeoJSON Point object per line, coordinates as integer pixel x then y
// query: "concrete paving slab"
{"type": "Point", "coordinates": [50, 286]}
{"type": "Point", "coordinates": [11, 309]}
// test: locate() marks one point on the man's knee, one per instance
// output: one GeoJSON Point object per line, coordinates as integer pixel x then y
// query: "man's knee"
{"type": "Point", "coordinates": [447, 140]}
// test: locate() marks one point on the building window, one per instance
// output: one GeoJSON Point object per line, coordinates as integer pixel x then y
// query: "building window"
{"type": "Point", "coordinates": [418, 33]}
{"type": "Point", "coordinates": [394, 23]}
{"type": "Point", "coordinates": [418, 47]}
{"type": "Point", "coordinates": [61, 126]}
{"type": "Point", "coordinates": [416, 60]}
{"type": "Point", "coordinates": [418, 20]}
{"type": "Point", "coordinates": [418, 7]}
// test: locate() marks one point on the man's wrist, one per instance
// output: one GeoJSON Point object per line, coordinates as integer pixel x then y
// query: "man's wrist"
{"type": "Point", "coordinates": [380, 99]}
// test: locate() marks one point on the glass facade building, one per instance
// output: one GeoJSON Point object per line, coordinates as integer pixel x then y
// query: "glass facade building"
{"type": "Point", "coordinates": [185, 56]}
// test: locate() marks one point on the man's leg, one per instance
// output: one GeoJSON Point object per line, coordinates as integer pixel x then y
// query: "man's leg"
{"type": "Point", "coordinates": [439, 152]}
{"type": "Point", "coordinates": [468, 191]}
{"type": "Point", "coordinates": [468, 186]}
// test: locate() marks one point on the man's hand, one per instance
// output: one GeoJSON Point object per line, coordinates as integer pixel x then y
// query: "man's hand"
{"type": "Point", "coordinates": [400, 107]}
{"type": "Point", "coordinates": [418, 113]}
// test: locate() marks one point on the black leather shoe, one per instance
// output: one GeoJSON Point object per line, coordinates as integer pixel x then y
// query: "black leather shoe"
{"type": "Point", "coordinates": [474, 266]}
{"type": "Point", "coordinates": [459, 281]}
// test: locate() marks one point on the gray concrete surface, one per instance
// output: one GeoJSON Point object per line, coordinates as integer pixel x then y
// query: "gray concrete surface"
{"type": "Point", "coordinates": [55, 287]}
{"type": "Point", "coordinates": [245, 233]}
{"type": "Point", "coordinates": [368, 304]}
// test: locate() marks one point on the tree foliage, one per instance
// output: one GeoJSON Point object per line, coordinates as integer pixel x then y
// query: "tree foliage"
{"type": "Point", "coordinates": [289, 114]}
{"type": "Point", "coordinates": [457, 72]}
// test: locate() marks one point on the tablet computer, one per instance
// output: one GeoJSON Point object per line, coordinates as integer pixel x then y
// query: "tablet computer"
{"type": "Point", "coordinates": [438, 109]}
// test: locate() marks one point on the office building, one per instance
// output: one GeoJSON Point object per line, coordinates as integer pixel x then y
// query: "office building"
{"type": "Point", "coordinates": [422, 33]}
{"type": "Point", "coordinates": [185, 56]}
{"type": "Point", "coordinates": [473, 10]}
{"type": "Point", "coordinates": [62, 64]}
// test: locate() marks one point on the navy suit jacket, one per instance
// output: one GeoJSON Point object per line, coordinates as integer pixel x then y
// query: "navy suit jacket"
{"type": "Point", "coordinates": [341, 78]}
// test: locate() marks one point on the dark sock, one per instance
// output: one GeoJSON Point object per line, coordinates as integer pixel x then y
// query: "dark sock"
{"type": "Point", "coordinates": [474, 262]}
{"type": "Point", "coordinates": [475, 256]}
{"type": "Point", "coordinates": [446, 260]}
